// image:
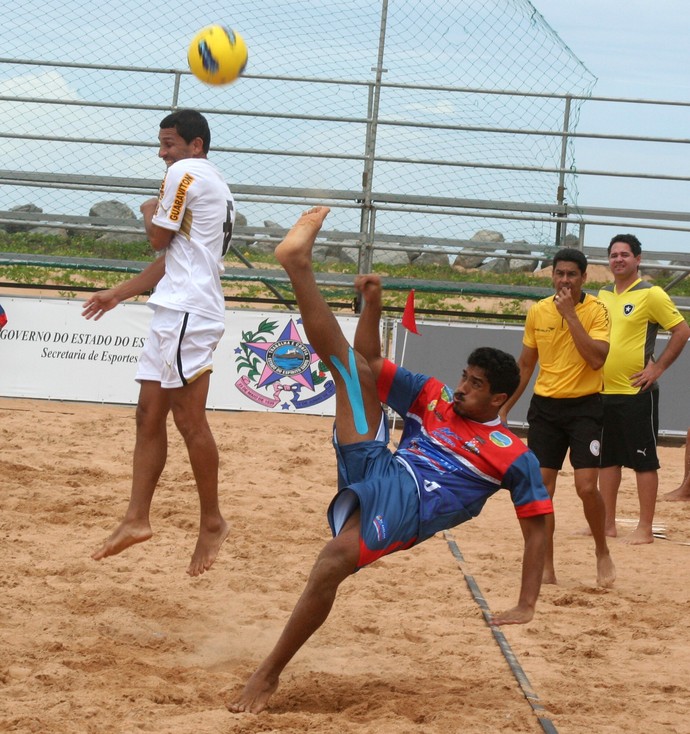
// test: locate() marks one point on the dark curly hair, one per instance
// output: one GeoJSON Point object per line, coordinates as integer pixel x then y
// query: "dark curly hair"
{"type": "Point", "coordinates": [189, 124]}
{"type": "Point", "coordinates": [500, 368]}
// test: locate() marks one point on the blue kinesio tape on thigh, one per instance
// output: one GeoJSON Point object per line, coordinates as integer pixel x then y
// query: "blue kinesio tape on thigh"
{"type": "Point", "coordinates": [354, 390]}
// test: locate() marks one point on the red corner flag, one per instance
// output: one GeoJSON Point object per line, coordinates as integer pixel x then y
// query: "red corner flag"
{"type": "Point", "coordinates": [408, 319]}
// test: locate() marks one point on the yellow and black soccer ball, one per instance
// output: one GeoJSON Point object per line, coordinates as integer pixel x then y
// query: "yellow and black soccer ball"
{"type": "Point", "coordinates": [217, 55]}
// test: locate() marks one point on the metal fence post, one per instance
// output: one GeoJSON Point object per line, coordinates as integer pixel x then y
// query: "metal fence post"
{"type": "Point", "coordinates": [367, 222]}
{"type": "Point", "coordinates": [560, 194]}
{"type": "Point", "coordinates": [176, 90]}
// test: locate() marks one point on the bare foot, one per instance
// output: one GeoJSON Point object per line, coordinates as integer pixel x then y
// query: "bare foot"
{"type": "Point", "coordinates": [517, 615]}
{"type": "Point", "coordinates": [606, 571]}
{"type": "Point", "coordinates": [255, 696]}
{"type": "Point", "coordinates": [207, 546]}
{"type": "Point", "coordinates": [639, 536]}
{"type": "Point", "coordinates": [295, 249]}
{"type": "Point", "coordinates": [126, 534]}
{"type": "Point", "coordinates": [682, 494]}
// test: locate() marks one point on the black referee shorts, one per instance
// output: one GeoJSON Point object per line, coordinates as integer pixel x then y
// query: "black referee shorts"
{"type": "Point", "coordinates": [559, 424]}
{"type": "Point", "coordinates": [631, 427]}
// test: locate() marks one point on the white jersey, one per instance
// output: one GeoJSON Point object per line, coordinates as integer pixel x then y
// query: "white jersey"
{"type": "Point", "coordinates": [195, 202]}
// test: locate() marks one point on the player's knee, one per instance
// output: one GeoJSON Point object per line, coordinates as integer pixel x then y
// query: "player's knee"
{"type": "Point", "coordinates": [585, 491]}
{"type": "Point", "coordinates": [149, 420]}
{"type": "Point", "coordinates": [334, 564]}
{"type": "Point", "coordinates": [190, 424]}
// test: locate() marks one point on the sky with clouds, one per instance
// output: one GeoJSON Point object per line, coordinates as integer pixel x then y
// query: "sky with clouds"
{"type": "Point", "coordinates": [637, 49]}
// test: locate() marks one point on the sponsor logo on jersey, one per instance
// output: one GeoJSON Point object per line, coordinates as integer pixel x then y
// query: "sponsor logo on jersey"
{"type": "Point", "coordinates": [447, 394]}
{"type": "Point", "coordinates": [281, 371]}
{"type": "Point", "coordinates": [471, 446]}
{"type": "Point", "coordinates": [500, 439]}
{"type": "Point", "coordinates": [180, 196]}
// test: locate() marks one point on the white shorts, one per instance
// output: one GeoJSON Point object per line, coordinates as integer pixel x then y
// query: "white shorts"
{"type": "Point", "coordinates": [179, 347]}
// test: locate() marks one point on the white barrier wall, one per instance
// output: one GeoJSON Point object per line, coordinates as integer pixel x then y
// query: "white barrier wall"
{"type": "Point", "coordinates": [48, 350]}
{"type": "Point", "coordinates": [441, 350]}
{"type": "Point", "coordinates": [263, 362]}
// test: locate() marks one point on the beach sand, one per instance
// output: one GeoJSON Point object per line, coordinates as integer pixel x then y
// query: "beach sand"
{"type": "Point", "coordinates": [132, 644]}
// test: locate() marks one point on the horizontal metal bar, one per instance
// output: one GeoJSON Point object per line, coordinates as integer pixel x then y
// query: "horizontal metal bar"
{"type": "Point", "coordinates": [382, 200]}
{"type": "Point", "coordinates": [359, 82]}
{"type": "Point", "coordinates": [380, 159]}
{"type": "Point", "coordinates": [350, 120]}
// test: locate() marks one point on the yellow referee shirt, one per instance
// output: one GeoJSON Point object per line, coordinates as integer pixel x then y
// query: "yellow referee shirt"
{"type": "Point", "coordinates": [563, 373]}
{"type": "Point", "coordinates": [636, 315]}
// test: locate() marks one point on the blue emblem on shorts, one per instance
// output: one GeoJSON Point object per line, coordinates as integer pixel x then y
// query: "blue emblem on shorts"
{"type": "Point", "coordinates": [500, 439]}
{"type": "Point", "coordinates": [380, 526]}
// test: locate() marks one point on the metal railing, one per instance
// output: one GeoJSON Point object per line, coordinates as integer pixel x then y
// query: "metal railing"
{"type": "Point", "coordinates": [376, 222]}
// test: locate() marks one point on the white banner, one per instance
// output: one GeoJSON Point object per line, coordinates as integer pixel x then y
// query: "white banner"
{"type": "Point", "coordinates": [263, 362]}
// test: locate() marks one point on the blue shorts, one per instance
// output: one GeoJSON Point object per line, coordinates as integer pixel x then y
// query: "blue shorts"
{"type": "Point", "coordinates": [370, 477]}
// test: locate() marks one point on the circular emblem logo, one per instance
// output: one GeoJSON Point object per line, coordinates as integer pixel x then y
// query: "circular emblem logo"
{"type": "Point", "coordinates": [288, 357]}
{"type": "Point", "coordinates": [447, 394]}
{"type": "Point", "coordinates": [500, 439]}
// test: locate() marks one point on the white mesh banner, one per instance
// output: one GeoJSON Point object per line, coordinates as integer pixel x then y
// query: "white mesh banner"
{"type": "Point", "coordinates": [263, 362]}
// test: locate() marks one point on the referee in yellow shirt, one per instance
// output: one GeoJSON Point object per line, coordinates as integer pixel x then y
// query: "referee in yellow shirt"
{"type": "Point", "coordinates": [568, 335]}
{"type": "Point", "coordinates": [631, 394]}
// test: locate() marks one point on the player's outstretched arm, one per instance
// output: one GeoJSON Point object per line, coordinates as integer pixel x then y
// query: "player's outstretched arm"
{"type": "Point", "coordinates": [534, 534]}
{"type": "Point", "coordinates": [102, 301]}
{"type": "Point", "coordinates": [368, 335]}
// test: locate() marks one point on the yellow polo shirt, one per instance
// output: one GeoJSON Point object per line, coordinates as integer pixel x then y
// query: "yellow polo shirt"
{"type": "Point", "coordinates": [563, 373]}
{"type": "Point", "coordinates": [636, 315]}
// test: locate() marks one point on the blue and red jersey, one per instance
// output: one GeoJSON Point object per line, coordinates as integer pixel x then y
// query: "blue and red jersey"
{"type": "Point", "coordinates": [457, 463]}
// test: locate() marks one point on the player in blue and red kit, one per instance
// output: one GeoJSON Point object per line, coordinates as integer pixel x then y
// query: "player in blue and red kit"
{"type": "Point", "coordinates": [454, 454]}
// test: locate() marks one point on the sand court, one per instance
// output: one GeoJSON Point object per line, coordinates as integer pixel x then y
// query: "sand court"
{"type": "Point", "coordinates": [132, 644]}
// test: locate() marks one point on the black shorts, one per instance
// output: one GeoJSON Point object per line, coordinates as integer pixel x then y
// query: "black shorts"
{"type": "Point", "coordinates": [559, 424]}
{"type": "Point", "coordinates": [631, 427]}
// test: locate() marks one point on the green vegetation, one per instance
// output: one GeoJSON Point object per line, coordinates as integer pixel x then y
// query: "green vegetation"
{"type": "Point", "coordinates": [444, 298]}
{"type": "Point", "coordinates": [75, 245]}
